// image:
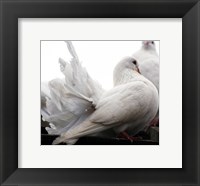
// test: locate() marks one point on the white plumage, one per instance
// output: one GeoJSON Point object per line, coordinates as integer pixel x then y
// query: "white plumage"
{"type": "Point", "coordinates": [148, 61]}
{"type": "Point", "coordinates": [69, 101]}
{"type": "Point", "coordinates": [78, 106]}
{"type": "Point", "coordinates": [149, 66]}
{"type": "Point", "coordinates": [127, 106]}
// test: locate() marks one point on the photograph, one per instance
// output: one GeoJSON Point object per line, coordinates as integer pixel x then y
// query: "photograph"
{"type": "Point", "coordinates": [85, 100]}
{"type": "Point", "coordinates": [100, 92]}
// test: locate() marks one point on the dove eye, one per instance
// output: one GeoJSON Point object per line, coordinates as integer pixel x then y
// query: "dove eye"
{"type": "Point", "coordinates": [152, 42]}
{"type": "Point", "coordinates": [134, 62]}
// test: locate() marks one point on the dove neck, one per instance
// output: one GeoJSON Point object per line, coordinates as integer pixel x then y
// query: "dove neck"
{"type": "Point", "coordinates": [126, 76]}
{"type": "Point", "coordinates": [149, 49]}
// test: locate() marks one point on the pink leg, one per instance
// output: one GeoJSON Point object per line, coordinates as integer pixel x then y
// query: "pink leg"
{"type": "Point", "coordinates": [125, 135]}
{"type": "Point", "coordinates": [154, 122]}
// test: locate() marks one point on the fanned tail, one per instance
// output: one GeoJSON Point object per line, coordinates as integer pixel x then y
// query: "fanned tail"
{"type": "Point", "coordinates": [72, 50]}
{"type": "Point", "coordinates": [70, 101]}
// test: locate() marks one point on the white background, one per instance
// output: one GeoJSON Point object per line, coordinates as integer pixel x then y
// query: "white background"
{"type": "Point", "coordinates": [167, 155]}
{"type": "Point", "coordinates": [99, 57]}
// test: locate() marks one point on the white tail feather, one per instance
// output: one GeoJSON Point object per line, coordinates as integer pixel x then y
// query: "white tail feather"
{"type": "Point", "coordinates": [84, 129]}
{"type": "Point", "coordinates": [71, 101]}
{"type": "Point", "coordinates": [72, 50]}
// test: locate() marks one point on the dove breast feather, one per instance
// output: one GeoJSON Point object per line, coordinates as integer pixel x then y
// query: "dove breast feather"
{"type": "Point", "coordinates": [146, 69]}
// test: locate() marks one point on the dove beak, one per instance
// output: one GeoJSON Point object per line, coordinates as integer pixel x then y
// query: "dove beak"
{"type": "Point", "coordinates": [146, 42]}
{"type": "Point", "coordinates": [138, 70]}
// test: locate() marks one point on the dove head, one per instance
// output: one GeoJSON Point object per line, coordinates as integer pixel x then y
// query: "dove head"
{"type": "Point", "coordinates": [131, 63]}
{"type": "Point", "coordinates": [149, 45]}
{"type": "Point", "coordinates": [128, 63]}
{"type": "Point", "coordinates": [125, 70]}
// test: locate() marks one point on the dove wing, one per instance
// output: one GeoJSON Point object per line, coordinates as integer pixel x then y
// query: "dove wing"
{"type": "Point", "coordinates": [121, 104]}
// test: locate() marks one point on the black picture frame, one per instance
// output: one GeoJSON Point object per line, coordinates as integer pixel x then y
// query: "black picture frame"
{"type": "Point", "coordinates": [11, 10]}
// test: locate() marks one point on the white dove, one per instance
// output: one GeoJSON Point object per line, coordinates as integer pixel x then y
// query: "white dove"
{"type": "Point", "coordinates": [131, 104]}
{"type": "Point", "coordinates": [148, 61]}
